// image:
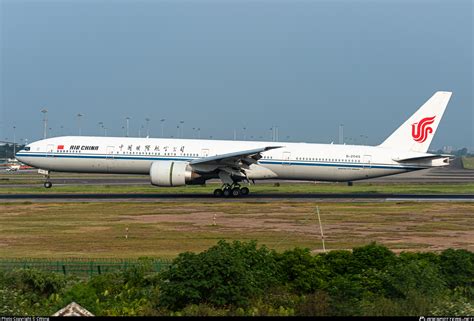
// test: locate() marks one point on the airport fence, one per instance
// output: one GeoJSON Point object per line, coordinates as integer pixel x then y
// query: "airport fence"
{"type": "Point", "coordinates": [80, 266]}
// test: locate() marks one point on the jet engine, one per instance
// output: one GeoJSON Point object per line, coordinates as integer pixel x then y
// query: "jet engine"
{"type": "Point", "coordinates": [170, 173]}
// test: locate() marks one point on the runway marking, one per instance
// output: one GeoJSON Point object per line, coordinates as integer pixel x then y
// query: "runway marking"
{"type": "Point", "coordinates": [252, 198]}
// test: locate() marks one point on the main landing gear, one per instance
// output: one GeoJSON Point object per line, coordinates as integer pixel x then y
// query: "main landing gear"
{"type": "Point", "coordinates": [233, 190]}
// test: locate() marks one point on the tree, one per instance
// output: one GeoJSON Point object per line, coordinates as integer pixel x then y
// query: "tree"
{"type": "Point", "coordinates": [373, 256]}
{"type": "Point", "coordinates": [419, 276]}
{"type": "Point", "coordinates": [225, 274]}
{"type": "Point", "coordinates": [457, 267]}
{"type": "Point", "coordinates": [302, 271]}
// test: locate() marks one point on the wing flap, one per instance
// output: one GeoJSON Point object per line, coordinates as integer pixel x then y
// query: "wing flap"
{"type": "Point", "coordinates": [230, 159]}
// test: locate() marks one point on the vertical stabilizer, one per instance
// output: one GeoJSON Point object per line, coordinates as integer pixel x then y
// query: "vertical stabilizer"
{"type": "Point", "coordinates": [418, 131]}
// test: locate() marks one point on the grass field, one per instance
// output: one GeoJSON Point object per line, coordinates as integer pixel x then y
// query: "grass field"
{"type": "Point", "coordinates": [97, 230]}
{"type": "Point", "coordinates": [310, 188]}
{"type": "Point", "coordinates": [468, 162]}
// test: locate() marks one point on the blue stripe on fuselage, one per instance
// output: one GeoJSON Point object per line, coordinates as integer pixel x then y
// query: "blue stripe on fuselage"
{"type": "Point", "coordinates": [183, 158]}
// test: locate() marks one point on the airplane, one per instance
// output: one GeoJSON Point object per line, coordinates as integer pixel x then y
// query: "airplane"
{"type": "Point", "coordinates": [13, 167]}
{"type": "Point", "coordinates": [177, 162]}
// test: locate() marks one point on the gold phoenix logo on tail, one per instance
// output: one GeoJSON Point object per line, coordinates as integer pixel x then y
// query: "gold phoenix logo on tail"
{"type": "Point", "coordinates": [420, 130]}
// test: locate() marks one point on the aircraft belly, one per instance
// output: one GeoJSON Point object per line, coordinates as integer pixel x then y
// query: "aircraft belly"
{"type": "Point", "coordinates": [90, 165]}
{"type": "Point", "coordinates": [132, 166]}
{"type": "Point", "coordinates": [329, 173]}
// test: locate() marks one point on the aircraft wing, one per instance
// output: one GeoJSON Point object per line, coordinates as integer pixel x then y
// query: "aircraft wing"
{"type": "Point", "coordinates": [235, 160]}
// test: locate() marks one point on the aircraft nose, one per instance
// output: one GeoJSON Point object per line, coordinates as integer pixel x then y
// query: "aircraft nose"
{"type": "Point", "coordinates": [18, 157]}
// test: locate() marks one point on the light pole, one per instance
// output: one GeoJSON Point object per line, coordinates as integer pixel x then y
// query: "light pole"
{"type": "Point", "coordinates": [14, 142]}
{"type": "Point", "coordinates": [6, 148]}
{"type": "Point", "coordinates": [127, 119]}
{"type": "Point", "coordinates": [147, 127]}
{"type": "Point", "coordinates": [245, 133]}
{"type": "Point", "coordinates": [101, 125]}
{"type": "Point", "coordinates": [177, 129]}
{"type": "Point", "coordinates": [45, 122]}
{"type": "Point", "coordinates": [79, 123]}
{"type": "Point", "coordinates": [199, 133]}
{"type": "Point", "coordinates": [162, 127]}
{"type": "Point", "coordinates": [341, 134]}
{"type": "Point", "coordinates": [182, 128]}
{"type": "Point", "coordinates": [124, 131]}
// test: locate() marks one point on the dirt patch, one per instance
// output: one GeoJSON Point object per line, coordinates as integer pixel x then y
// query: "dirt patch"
{"type": "Point", "coordinates": [164, 229]}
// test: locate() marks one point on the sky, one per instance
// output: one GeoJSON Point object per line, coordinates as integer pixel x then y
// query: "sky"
{"type": "Point", "coordinates": [222, 66]}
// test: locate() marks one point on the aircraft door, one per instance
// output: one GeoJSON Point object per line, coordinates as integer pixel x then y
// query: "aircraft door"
{"type": "Point", "coordinates": [286, 158]}
{"type": "Point", "coordinates": [49, 150]}
{"type": "Point", "coordinates": [110, 152]}
{"type": "Point", "coordinates": [367, 161]}
{"type": "Point", "coordinates": [109, 156]}
{"type": "Point", "coordinates": [204, 152]}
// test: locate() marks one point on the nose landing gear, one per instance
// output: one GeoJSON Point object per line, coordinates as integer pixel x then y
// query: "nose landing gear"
{"type": "Point", "coordinates": [47, 183]}
{"type": "Point", "coordinates": [231, 190]}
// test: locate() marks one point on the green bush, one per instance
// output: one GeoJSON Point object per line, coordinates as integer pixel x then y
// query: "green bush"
{"type": "Point", "coordinates": [457, 267]}
{"type": "Point", "coordinates": [314, 304]}
{"type": "Point", "coordinates": [34, 281]}
{"type": "Point", "coordinates": [301, 271]}
{"type": "Point", "coordinates": [372, 256]}
{"type": "Point", "coordinates": [345, 293]}
{"type": "Point", "coordinates": [83, 294]}
{"type": "Point", "coordinates": [12, 302]}
{"type": "Point", "coordinates": [405, 277]}
{"type": "Point", "coordinates": [237, 279]}
{"type": "Point", "coordinates": [339, 262]}
{"type": "Point", "coordinates": [413, 304]}
{"type": "Point", "coordinates": [225, 274]}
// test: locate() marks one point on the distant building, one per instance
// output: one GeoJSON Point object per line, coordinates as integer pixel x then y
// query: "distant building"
{"type": "Point", "coordinates": [447, 149]}
{"type": "Point", "coordinates": [73, 310]}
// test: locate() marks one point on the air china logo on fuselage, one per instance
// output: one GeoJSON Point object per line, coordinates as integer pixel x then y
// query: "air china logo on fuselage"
{"type": "Point", "coordinates": [79, 147]}
{"type": "Point", "coordinates": [420, 130]}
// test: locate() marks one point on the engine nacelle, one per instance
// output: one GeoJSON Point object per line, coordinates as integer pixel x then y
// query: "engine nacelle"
{"type": "Point", "coordinates": [170, 173]}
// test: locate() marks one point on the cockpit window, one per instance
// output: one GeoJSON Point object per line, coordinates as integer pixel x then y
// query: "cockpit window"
{"type": "Point", "coordinates": [27, 148]}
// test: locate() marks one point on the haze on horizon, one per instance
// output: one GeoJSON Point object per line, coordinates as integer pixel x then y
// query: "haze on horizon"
{"type": "Point", "coordinates": [222, 66]}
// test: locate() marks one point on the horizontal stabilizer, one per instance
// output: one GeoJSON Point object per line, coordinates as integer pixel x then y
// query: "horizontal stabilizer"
{"type": "Point", "coordinates": [423, 158]}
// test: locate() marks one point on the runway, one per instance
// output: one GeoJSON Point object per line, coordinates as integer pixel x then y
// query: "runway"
{"type": "Point", "coordinates": [263, 197]}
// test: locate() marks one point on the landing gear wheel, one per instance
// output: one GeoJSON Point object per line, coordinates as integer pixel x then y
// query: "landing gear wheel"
{"type": "Point", "coordinates": [236, 192]}
{"type": "Point", "coordinates": [48, 184]}
{"type": "Point", "coordinates": [227, 192]}
{"type": "Point", "coordinates": [244, 191]}
{"type": "Point", "coordinates": [218, 192]}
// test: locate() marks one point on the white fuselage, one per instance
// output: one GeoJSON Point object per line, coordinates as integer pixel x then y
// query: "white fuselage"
{"type": "Point", "coordinates": [293, 161]}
